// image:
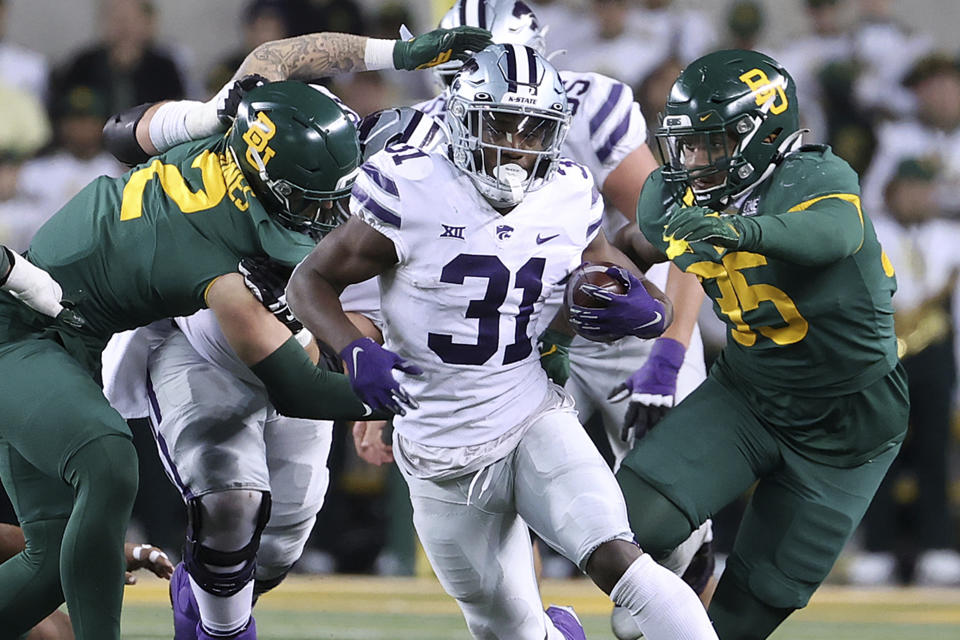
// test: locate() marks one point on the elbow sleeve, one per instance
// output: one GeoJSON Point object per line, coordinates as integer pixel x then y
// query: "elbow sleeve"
{"type": "Point", "coordinates": [120, 135]}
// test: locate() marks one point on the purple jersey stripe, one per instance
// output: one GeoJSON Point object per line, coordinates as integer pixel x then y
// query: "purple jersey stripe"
{"type": "Point", "coordinates": [165, 456]}
{"type": "Point", "coordinates": [382, 181]}
{"type": "Point", "coordinates": [363, 199]}
{"type": "Point", "coordinates": [597, 120]}
{"type": "Point", "coordinates": [593, 226]}
{"type": "Point", "coordinates": [614, 138]}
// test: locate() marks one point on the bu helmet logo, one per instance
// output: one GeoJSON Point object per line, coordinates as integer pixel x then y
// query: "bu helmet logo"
{"type": "Point", "coordinates": [766, 91]}
{"type": "Point", "coordinates": [257, 137]}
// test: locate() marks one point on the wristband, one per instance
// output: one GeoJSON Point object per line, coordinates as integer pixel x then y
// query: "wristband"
{"type": "Point", "coordinates": [378, 54]}
{"type": "Point", "coordinates": [669, 351]}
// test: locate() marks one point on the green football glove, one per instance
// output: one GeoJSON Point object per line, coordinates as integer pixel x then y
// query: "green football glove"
{"type": "Point", "coordinates": [702, 224]}
{"type": "Point", "coordinates": [554, 348]}
{"type": "Point", "coordinates": [439, 46]}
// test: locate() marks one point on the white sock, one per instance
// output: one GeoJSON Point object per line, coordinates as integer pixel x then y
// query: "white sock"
{"type": "Point", "coordinates": [664, 607]}
{"type": "Point", "coordinates": [224, 615]}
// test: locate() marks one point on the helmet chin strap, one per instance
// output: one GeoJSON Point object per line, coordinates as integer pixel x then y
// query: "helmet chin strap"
{"type": "Point", "coordinates": [790, 143]}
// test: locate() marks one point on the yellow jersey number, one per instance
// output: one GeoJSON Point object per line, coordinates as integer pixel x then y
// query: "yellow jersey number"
{"type": "Point", "coordinates": [213, 191]}
{"type": "Point", "coordinates": [738, 297]}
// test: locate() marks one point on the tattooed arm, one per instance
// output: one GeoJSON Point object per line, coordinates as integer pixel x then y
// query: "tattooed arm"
{"type": "Point", "coordinates": [306, 57]}
{"type": "Point", "coordinates": [148, 130]}
{"type": "Point", "coordinates": [314, 55]}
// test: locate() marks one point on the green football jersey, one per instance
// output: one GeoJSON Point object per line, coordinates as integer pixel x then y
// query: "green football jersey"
{"type": "Point", "coordinates": [794, 327]}
{"type": "Point", "coordinates": [147, 245]}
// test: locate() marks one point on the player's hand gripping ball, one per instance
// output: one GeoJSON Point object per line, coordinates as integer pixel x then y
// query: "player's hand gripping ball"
{"type": "Point", "coordinates": [593, 274]}
{"type": "Point", "coordinates": [606, 302]}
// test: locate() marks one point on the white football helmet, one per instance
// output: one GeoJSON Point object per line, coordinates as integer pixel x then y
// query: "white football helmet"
{"type": "Point", "coordinates": [507, 99]}
{"type": "Point", "coordinates": [509, 22]}
{"type": "Point", "coordinates": [401, 125]}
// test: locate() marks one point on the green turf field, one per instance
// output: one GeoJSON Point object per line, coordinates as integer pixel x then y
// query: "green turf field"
{"type": "Point", "coordinates": [357, 608]}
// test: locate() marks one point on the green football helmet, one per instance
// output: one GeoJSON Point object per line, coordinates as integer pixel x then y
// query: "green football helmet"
{"type": "Point", "coordinates": [298, 150]}
{"type": "Point", "coordinates": [729, 118]}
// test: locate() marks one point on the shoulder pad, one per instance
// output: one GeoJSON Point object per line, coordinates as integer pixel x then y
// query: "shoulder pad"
{"type": "Point", "coordinates": [405, 161]}
{"type": "Point", "coordinates": [120, 135]}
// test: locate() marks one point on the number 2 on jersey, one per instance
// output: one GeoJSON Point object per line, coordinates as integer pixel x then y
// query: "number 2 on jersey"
{"type": "Point", "coordinates": [487, 309]}
{"type": "Point", "coordinates": [213, 191]}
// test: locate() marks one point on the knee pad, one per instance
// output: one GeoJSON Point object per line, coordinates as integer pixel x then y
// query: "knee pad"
{"type": "Point", "coordinates": [281, 547]}
{"type": "Point", "coordinates": [658, 524]}
{"type": "Point", "coordinates": [199, 558]}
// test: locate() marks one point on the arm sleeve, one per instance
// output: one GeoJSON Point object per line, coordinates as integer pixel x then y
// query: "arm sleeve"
{"type": "Point", "coordinates": [300, 389]}
{"type": "Point", "coordinates": [826, 230]}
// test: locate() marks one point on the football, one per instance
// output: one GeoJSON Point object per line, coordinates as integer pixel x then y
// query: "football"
{"type": "Point", "coordinates": [594, 273]}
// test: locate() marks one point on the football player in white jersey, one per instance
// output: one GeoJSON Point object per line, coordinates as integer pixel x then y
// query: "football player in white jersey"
{"type": "Point", "coordinates": [468, 245]}
{"type": "Point", "coordinates": [608, 135]}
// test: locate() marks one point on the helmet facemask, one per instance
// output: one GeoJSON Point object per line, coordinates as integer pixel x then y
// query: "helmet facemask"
{"type": "Point", "coordinates": [508, 116]}
{"type": "Point", "coordinates": [490, 139]}
{"type": "Point", "coordinates": [730, 118]}
{"type": "Point", "coordinates": [704, 159]}
{"type": "Point", "coordinates": [299, 208]}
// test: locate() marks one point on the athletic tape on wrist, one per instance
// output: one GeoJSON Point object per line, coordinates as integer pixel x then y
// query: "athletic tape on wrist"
{"type": "Point", "coordinates": [378, 54]}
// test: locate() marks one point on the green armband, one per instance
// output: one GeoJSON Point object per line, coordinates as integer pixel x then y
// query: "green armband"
{"type": "Point", "coordinates": [300, 389]}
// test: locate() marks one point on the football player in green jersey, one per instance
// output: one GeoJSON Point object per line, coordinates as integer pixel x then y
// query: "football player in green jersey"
{"type": "Point", "coordinates": [165, 240]}
{"type": "Point", "coordinates": [807, 399]}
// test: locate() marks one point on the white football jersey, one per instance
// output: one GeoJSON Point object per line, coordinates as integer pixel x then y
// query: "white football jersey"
{"type": "Point", "coordinates": [464, 299]}
{"type": "Point", "coordinates": [606, 125]}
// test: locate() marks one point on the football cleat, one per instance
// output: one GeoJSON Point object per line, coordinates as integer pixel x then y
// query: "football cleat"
{"type": "Point", "coordinates": [566, 622]}
{"type": "Point", "coordinates": [186, 614]}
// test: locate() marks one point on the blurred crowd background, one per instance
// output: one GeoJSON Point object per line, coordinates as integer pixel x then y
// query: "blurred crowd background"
{"type": "Point", "coordinates": [877, 80]}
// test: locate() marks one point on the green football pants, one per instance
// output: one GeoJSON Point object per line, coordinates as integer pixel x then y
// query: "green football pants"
{"type": "Point", "coordinates": [712, 448]}
{"type": "Point", "coordinates": [69, 466]}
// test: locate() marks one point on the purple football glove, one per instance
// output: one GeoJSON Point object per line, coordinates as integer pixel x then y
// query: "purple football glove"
{"type": "Point", "coordinates": [651, 389]}
{"type": "Point", "coordinates": [370, 369]}
{"type": "Point", "coordinates": [634, 313]}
